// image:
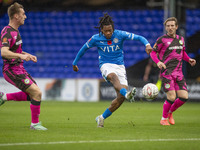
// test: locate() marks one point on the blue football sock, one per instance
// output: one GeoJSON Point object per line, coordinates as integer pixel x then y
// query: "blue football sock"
{"type": "Point", "coordinates": [106, 113]}
{"type": "Point", "coordinates": [123, 91]}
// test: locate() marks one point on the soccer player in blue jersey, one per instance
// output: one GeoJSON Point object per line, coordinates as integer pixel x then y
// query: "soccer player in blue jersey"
{"type": "Point", "coordinates": [109, 42]}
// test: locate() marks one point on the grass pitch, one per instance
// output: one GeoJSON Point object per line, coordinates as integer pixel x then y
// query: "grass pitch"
{"type": "Point", "coordinates": [72, 126]}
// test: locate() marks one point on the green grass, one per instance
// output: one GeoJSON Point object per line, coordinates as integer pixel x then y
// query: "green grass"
{"type": "Point", "coordinates": [74, 121]}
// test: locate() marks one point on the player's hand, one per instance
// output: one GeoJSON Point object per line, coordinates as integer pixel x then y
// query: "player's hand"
{"type": "Point", "coordinates": [192, 62]}
{"type": "Point", "coordinates": [161, 65]}
{"type": "Point", "coordinates": [25, 57]}
{"type": "Point", "coordinates": [148, 49]}
{"type": "Point", "coordinates": [33, 58]}
{"type": "Point", "coordinates": [75, 68]}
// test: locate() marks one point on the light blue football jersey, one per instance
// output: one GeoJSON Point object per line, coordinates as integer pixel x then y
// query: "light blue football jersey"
{"type": "Point", "coordinates": [110, 50]}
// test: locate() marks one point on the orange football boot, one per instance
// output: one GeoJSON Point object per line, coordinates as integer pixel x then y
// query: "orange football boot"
{"type": "Point", "coordinates": [164, 122]}
{"type": "Point", "coordinates": [171, 119]}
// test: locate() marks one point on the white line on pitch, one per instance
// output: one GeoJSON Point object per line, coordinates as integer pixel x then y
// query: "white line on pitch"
{"type": "Point", "coordinates": [98, 141]}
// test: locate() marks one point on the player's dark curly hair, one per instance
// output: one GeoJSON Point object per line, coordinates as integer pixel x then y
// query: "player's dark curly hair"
{"type": "Point", "coordinates": [105, 20]}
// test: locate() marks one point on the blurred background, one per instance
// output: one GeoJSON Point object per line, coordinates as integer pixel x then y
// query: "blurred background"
{"type": "Point", "coordinates": [55, 30]}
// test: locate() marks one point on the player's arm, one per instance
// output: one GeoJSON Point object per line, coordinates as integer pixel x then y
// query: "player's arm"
{"type": "Point", "coordinates": [157, 61]}
{"type": "Point", "coordinates": [78, 56]}
{"type": "Point", "coordinates": [144, 41]}
{"type": "Point", "coordinates": [131, 36]}
{"type": "Point", "coordinates": [6, 53]}
{"type": "Point", "coordinates": [185, 57]}
{"type": "Point", "coordinates": [32, 57]}
{"type": "Point", "coordinates": [191, 61]}
{"type": "Point", "coordinates": [90, 43]}
{"type": "Point", "coordinates": [154, 57]}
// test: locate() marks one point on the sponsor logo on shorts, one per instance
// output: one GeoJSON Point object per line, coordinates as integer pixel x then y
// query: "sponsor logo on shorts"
{"type": "Point", "coordinates": [167, 86]}
{"type": "Point", "coordinates": [26, 81]}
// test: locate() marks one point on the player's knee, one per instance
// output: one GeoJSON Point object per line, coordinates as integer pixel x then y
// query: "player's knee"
{"type": "Point", "coordinates": [184, 96]}
{"type": "Point", "coordinates": [37, 94]}
{"type": "Point", "coordinates": [171, 97]}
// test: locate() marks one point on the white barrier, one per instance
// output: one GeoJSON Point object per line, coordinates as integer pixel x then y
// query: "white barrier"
{"type": "Point", "coordinates": [88, 90]}
{"type": "Point", "coordinates": [62, 89]}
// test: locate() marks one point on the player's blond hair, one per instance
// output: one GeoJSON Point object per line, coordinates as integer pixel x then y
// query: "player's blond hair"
{"type": "Point", "coordinates": [14, 9]}
{"type": "Point", "coordinates": [171, 19]}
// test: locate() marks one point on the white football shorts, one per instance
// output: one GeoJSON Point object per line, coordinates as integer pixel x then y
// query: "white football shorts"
{"type": "Point", "coordinates": [119, 70]}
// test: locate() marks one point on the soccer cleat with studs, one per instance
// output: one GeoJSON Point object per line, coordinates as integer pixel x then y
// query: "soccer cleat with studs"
{"type": "Point", "coordinates": [164, 122]}
{"type": "Point", "coordinates": [171, 119]}
{"type": "Point", "coordinates": [37, 126]}
{"type": "Point", "coordinates": [100, 121]}
{"type": "Point", "coordinates": [130, 95]}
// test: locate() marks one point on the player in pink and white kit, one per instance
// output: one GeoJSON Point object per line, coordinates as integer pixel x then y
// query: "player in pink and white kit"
{"type": "Point", "coordinates": [13, 69]}
{"type": "Point", "coordinates": [171, 51]}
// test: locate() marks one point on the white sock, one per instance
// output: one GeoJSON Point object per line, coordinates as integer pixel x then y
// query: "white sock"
{"type": "Point", "coordinates": [164, 118]}
{"type": "Point", "coordinates": [102, 116]}
{"type": "Point", "coordinates": [126, 95]}
{"type": "Point", "coordinates": [33, 123]}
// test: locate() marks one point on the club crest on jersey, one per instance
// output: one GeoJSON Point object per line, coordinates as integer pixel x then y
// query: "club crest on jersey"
{"type": "Point", "coordinates": [180, 42]}
{"type": "Point", "coordinates": [167, 86]}
{"type": "Point", "coordinates": [26, 81]}
{"type": "Point", "coordinates": [115, 40]}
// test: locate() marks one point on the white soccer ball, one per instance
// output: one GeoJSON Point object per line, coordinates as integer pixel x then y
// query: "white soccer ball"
{"type": "Point", "coordinates": [150, 91]}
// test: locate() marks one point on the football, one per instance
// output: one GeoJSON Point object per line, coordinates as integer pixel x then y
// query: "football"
{"type": "Point", "coordinates": [150, 91]}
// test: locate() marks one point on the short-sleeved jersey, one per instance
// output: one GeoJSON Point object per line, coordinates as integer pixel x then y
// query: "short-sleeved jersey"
{"type": "Point", "coordinates": [110, 50]}
{"type": "Point", "coordinates": [11, 38]}
{"type": "Point", "coordinates": [170, 52]}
